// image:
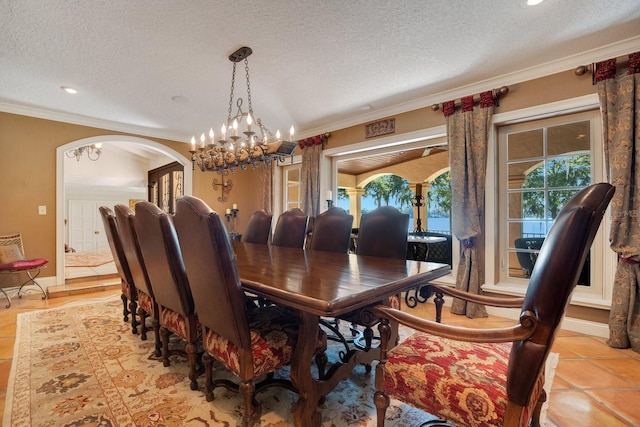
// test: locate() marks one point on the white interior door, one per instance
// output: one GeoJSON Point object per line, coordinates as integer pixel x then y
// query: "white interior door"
{"type": "Point", "coordinates": [86, 231]}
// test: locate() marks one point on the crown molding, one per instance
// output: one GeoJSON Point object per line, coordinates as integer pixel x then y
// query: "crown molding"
{"type": "Point", "coordinates": [87, 121]}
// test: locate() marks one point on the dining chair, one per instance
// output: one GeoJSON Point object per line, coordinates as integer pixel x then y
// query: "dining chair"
{"type": "Point", "coordinates": [13, 264]}
{"type": "Point", "coordinates": [492, 377]}
{"type": "Point", "coordinates": [383, 233]}
{"type": "Point", "coordinates": [165, 267]}
{"type": "Point", "coordinates": [129, 293]}
{"type": "Point", "coordinates": [291, 229]}
{"type": "Point", "coordinates": [147, 305]}
{"type": "Point", "coordinates": [332, 231]}
{"type": "Point", "coordinates": [250, 342]}
{"type": "Point", "coordinates": [258, 229]}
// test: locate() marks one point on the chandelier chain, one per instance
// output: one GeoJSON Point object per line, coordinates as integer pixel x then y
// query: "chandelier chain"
{"type": "Point", "coordinates": [246, 69]}
{"type": "Point", "coordinates": [233, 83]}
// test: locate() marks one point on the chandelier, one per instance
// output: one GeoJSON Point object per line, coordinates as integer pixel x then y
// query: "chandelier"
{"type": "Point", "coordinates": [236, 148]}
{"type": "Point", "coordinates": [93, 152]}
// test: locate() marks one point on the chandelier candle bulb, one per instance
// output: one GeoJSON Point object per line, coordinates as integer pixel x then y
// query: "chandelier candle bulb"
{"type": "Point", "coordinates": [291, 134]}
{"type": "Point", "coordinates": [249, 123]}
{"type": "Point", "coordinates": [211, 137]}
{"type": "Point", "coordinates": [223, 129]}
{"type": "Point", "coordinates": [235, 128]}
{"type": "Point", "coordinates": [193, 144]}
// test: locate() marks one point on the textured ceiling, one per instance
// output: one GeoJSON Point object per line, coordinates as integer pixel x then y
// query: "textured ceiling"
{"type": "Point", "coordinates": [161, 68]}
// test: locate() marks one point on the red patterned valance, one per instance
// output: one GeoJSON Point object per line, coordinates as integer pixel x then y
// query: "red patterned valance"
{"type": "Point", "coordinates": [314, 140]}
{"type": "Point", "coordinates": [605, 70]}
{"type": "Point", "coordinates": [487, 99]}
{"type": "Point", "coordinates": [634, 63]}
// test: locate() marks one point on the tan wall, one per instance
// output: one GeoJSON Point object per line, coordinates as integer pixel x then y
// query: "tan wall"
{"type": "Point", "coordinates": [28, 170]}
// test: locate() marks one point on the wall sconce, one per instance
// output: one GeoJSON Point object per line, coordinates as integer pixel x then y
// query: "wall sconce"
{"type": "Point", "coordinates": [226, 187]}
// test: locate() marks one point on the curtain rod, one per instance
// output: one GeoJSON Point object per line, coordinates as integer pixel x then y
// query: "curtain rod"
{"type": "Point", "coordinates": [497, 93]}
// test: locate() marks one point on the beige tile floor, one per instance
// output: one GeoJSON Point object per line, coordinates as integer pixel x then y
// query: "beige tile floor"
{"type": "Point", "coordinates": [594, 385]}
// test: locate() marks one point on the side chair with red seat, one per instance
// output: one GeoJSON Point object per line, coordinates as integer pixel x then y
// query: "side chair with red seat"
{"type": "Point", "coordinates": [165, 268]}
{"type": "Point", "coordinates": [13, 264]}
{"type": "Point", "coordinates": [492, 377]}
{"type": "Point", "coordinates": [147, 305]}
{"type": "Point", "coordinates": [251, 342]}
{"type": "Point", "coordinates": [122, 266]}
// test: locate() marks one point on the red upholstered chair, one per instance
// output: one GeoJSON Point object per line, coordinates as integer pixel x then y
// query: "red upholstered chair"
{"type": "Point", "coordinates": [332, 231]}
{"type": "Point", "coordinates": [493, 377]}
{"type": "Point", "coordinates": [13, 264]}
{"type": "Point", "coordinates": [147, 305]}
{"type": "Point", "coordinates": [128, 289]}
{"type": "Point", "coordinates": [291, 229]}
{"type": "Point", "coordinates": [250, 342]}
{"type": "Point", "coordinates": [163, 258]}
{"type": "Point", "coordinates": [258, 229]}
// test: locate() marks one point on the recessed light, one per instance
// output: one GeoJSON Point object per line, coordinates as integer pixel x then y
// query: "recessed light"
{"type": "Point", "coordinates": [534, 2]}
{"type": "Point", "coordinates": [68, 89]}
{"type": "Point", "coordinates": [180, 99]}
{"type": "Point", "coordinates": [366, 107]}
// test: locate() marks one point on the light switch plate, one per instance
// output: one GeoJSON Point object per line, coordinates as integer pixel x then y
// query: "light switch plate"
{"type": "Point", "coordinates": [42, 210]}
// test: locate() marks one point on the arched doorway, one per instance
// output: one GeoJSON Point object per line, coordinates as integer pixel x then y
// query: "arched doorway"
{"type": "Point", "coordinates": [105, 140]}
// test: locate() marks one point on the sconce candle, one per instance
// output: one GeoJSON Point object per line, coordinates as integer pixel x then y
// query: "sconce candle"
{"type": "Point", "coordinates": [228, 211]}
{"type": "Point", "coordinates": [235, 206]}
{"type": "Point", "coordinates": [329, 195]}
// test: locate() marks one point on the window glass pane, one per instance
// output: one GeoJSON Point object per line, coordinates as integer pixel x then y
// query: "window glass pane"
{"type": "Point", "coordinates": [524, 145]}
{"type": "Point", "coordinates": [556, 199]}
{"type": "Point", "coordinates": [526, 204]}
{"type": "Point", "coordinates": [525, 174]}
{"type": "Point", "coordinates": [568, 138]}
{"type": "Point", "coordinates": [569, 171]}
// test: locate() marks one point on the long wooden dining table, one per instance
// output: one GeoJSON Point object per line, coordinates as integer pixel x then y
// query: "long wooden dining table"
{"type": "Point", "coordinates": [325, 284]}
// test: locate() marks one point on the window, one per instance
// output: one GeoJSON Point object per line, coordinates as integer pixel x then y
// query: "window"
{"type": "Point", "coordinates": [541, 165]}
{"type": "Point", "coordinates": [292, 186]}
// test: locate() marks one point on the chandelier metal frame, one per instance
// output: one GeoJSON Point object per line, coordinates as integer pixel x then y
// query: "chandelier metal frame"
{"type": "Point", "coordinates": [234, 151]}
{"type": "Point", "coordinates": [93, 152]}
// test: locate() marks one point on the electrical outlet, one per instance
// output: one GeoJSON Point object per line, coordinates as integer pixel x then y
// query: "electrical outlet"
{"type": "Point", "coordinates": [42, 210]}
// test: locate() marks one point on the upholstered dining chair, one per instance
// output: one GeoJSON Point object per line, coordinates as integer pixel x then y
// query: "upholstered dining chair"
{"type": "Point", "coordinates": [332, 231]}
{"type": "Point", "coordinates": [492, 377]}
{"type": "Point", "coordinates": [147, 305]}
{"type": "Point", "coordinates": [249, 342]}
{"type": "Point", "coordinates": [129, 293]}
{"type": "Point", "coordinates": [13, 264]}
{"type": "Point", "coordinates": [291, 229]}
{"type": "Point", "coordinates": [165, 268]}
{"type": "Point", "coordinates": [258, 229]}
{"type": "Point", "coordinates": [383, 233]}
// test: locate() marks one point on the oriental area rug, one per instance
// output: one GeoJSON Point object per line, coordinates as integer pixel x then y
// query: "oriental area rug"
{"type": "Point", "coordinates": [79, 365]}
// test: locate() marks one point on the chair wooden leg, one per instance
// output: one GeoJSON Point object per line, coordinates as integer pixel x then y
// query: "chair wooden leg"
{"type": "Point", "coordinates": [133, 308]}
{"type": "Point", "coordinates": [207, 360]}
{"type": "Point", "coordinates": [535, 417]}
{"type": "Point", "coordinates": [381, 401]}
{"type": "Point", "coordinates": [143, 323]}
{"type": "Point", "coordinates": [251, 409]}
{"type": "Point", "coordinates": [192, 356]}
{"type": "Point", "coordinates": [155, 324]}
{"type": "Point", "coordinates": [164, 332]}
{"type": "Point", "coordinates": [438, 300]}
{"type": "Point", "coordinates": [125, 307]}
